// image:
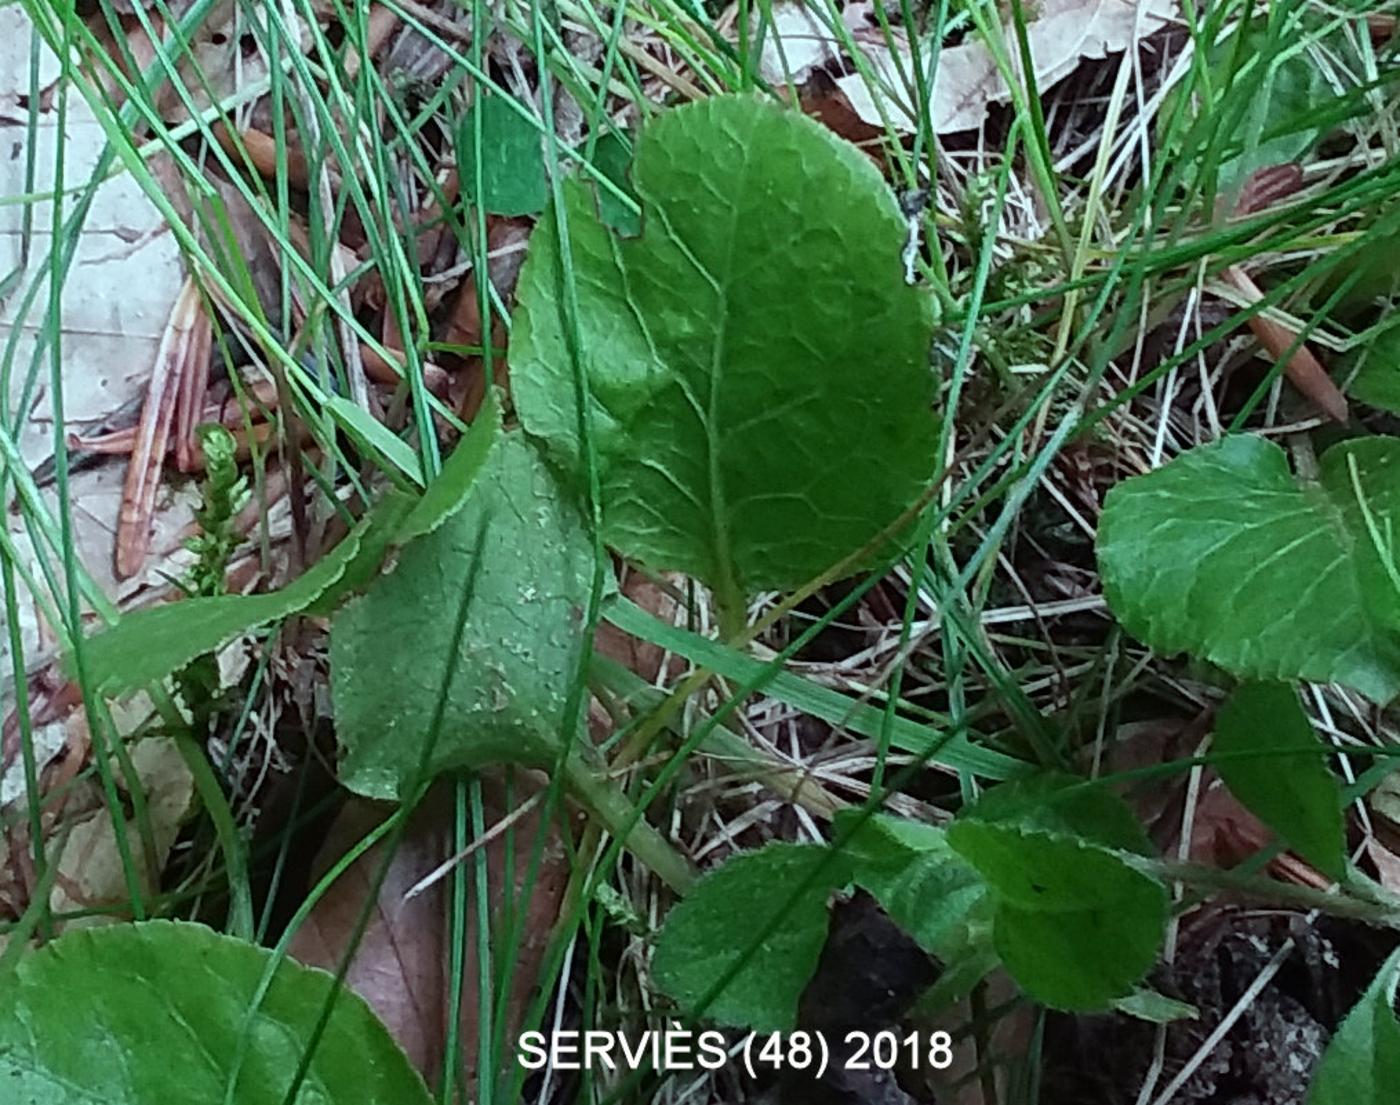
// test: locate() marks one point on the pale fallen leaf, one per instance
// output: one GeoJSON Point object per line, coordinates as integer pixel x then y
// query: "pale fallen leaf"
{"type": "Point", "coordinates": [1387, 864]}
{"type": "Point", "coordinates": [96, 497]}
{"type": "Point", "coordinates": [1385, 798]}
{"type": "Point", "coordinates": [48, 739]}
{"type": "Point", "coordinates": [220, 66]}
{"type": "Point", "coordinates": [797, 36]}
{"type": "Point", "coordinates": [125, 274]}
{"type": "Point", "coordinates": [1062, 33]}
{"type": "Point", "coordinates": [90, 871]}
{"type": "Point", "coordinates": [14, 57]}
{"type": "Point", "coordinates": [419, 56]}
{"type": "Point", "coordinates": [117, 296]}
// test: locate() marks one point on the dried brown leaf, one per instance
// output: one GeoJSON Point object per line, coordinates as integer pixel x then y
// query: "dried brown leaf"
{"type": "Point", "coordinates": [640, 656]}
{"type": "Point", "coordinates": [401, 967]}
{"type": "Point", "coordinates": [124, 278]}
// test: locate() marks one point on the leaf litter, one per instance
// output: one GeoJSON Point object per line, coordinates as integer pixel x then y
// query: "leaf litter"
{"type": "Point", "coordinates": [968, 81]}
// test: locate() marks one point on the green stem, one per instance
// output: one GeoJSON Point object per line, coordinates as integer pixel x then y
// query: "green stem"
{"type": "Point", "coordinates": [616, 813]}
{"type": "Point", "coordinates": [733, 614]}
{"type": "Point", "coordinates": [1378, 907]}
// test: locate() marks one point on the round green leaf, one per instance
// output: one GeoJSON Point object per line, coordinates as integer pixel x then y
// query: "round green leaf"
{"type": "Point", "coordinates": [758, 367]}
{"type": "Point", "coordinates": [1075, 925]}
{"type": "Point", "coordinates": [1224, 554]}
{"type": "Point", "coordinates": [158, 1012]}
{"type": "Point", "coordinates": [487, 684]}
{"type": "Point", "coordinates": [1272, 761]}
{"type": "Point", "coordinates": [729, 909]}
{"type": "Point", "coordinates": [1086, 960]}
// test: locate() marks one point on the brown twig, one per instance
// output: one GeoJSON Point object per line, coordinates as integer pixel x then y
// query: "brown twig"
{"type": "Point", "coordinates": [1264, 188]}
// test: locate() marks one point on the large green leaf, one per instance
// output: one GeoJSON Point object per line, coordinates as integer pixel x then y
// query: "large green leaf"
{"type": "Point", "coordinates": [761, 391]}
{"type": "Point", "coordinates": [161, 1012]}
{"type": "Point", "coordinates": [728, 911]}
{"type": "Point", "coordinates": [1362, 1063]}
{"type": "Point", "coordinates": [518, 556]}
{"type": "Point", "coordinates": [1282, 90]}
{"type": "Point", "coordinates": [1075, 925]}
{"type": "Point", "coordinates": [1224, 554]}
{"type": "Point", "coordinates": [1272, 761]}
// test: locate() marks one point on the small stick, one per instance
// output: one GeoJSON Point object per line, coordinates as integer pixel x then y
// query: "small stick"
{"type": "Point", "coordinates": [1263, 188]}
{"type": "Point", "coordinates": [1303, 370]}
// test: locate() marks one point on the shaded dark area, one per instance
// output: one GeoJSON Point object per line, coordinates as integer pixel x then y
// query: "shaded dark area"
{"type": "Point", "coordinates": [869, 975]}
{"type": "Point", "coordinates": [1268, 1055]}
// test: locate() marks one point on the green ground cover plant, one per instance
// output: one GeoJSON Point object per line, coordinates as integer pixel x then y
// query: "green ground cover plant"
{"type": "Point", "coordinates": [739, 367]}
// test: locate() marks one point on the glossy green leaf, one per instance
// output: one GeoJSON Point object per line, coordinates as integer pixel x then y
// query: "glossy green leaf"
{"type": "Point", "coordinates": [1223, 553]}
{"type": "Point", "coordinates": [1272, 761]}
{"type": "Point", "coordinates": [517, 555]}
{"type": "Point", "coordinates": [761, 392]}
{"type": "Point", "coordinates": [1362, 1063]}
{"type": "Point", "coordinates": [159, 1012]}
{"type": "Point", "coordinates": [514, 180]}
{"type": "Point", "coordinates": [1075, 925]}
{"type": "Point", "coordinates": [728, 910]}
